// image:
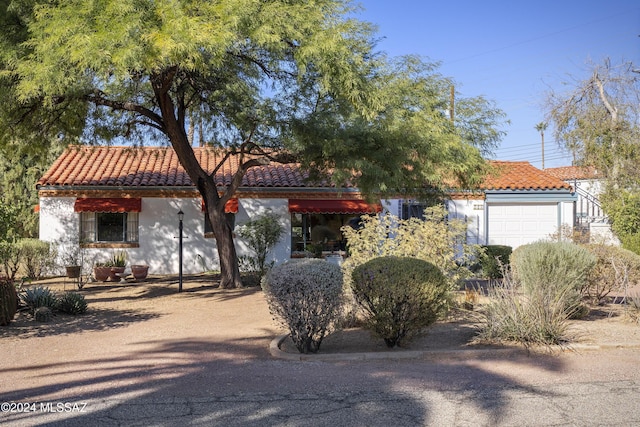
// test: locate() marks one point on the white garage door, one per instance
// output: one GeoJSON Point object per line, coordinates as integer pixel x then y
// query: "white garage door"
{"type": "Point", "coordinates": [515, 225]}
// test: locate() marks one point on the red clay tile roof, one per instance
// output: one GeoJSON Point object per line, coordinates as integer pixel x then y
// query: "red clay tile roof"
{"type": "Point", "coordinates": [156, 167]}
{"type": "Point", "coordinates": [520, 176]}
{"type": "Point", "coordinates": [567, 173]}
{"type": "Point", "coordinates": [159, 167]}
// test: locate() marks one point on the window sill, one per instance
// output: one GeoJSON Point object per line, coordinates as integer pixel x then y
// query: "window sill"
{"type": "Point", "coordinates": [114, 245]}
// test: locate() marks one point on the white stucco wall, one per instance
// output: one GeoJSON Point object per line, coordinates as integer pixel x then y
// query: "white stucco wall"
{"type": "Point", "coordinates": [158, 233]}
{"type": "Point", "coordinates": [472, 211]}
{"type": "Point", "coordinates": [60, 225]}
{"type": "Point", "coordinates": [158, 230]}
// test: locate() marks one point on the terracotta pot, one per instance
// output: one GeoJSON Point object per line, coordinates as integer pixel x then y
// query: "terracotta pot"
{"type": "Point", "coordinates": [101, 274]}
{"type": "Point", "coordinates": [73, 271]}
{"type": "Point", "coordinates": [115, 273]}
{"type": "Point", "coordinates": [140, 271]}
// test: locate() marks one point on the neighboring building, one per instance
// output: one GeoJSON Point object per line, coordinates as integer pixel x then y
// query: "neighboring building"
{"type": "Point", "coordinates": [110, 198]}
{"type": "Point", "coordinates": [520, 204]}
{"type": "Point", "coordinates": [588, 185]}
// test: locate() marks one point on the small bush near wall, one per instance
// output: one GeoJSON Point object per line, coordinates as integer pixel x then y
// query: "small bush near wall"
{"type": "Point", "coordinates": [400, 296]}
{"type": "Point", "coordinates": [306, 296]}
{"type": "Point", "coordinates": [494, 259]}
{"type": "Point", "coordinates": [616, 270]}
{"type": "Point", "coordinates": [36, 256]}
{"type": "Point", "coordinates": [559, 268]}
{"type": "Point", "coordinates": [261, 235]}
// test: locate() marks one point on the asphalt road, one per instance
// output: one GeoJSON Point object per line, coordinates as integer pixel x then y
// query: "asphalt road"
{"type": "Point", "coordinates": [578, 389]}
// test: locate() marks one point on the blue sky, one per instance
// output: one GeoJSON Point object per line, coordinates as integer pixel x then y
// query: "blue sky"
{"type": "Point", "coordinates": [511, 52]}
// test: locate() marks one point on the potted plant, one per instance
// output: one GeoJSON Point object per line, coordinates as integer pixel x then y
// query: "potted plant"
{"type": "Point", "coordinates": [101, 271]}
{"type": "Point", "coordinates": [139, 271]}
{"type": "Point", "coordinates": [72, 263]}
{"type": "Point", "coordinates": [118, 263]}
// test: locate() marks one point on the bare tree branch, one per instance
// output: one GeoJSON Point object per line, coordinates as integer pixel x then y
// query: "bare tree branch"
{"type": "Point", "coordinates": [97, 98]}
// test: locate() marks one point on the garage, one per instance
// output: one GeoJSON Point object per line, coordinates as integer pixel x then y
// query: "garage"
{"type": "Point", "coordinates": [518, 224]}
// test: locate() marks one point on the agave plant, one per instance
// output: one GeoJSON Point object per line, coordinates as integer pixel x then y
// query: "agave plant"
{"type": "Point", "coordinates": [37, 297]}
{"type": "Point", "coordinates": [72, 303]}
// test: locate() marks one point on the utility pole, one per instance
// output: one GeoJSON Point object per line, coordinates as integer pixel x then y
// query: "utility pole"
{"type": "Point", "coordinates": [541, 127]}
{"type": "Point", "coordinates": [452, 103]}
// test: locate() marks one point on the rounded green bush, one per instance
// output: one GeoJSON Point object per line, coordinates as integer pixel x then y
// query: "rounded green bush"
{"type": "Point", "coordinates": [306, 295]}
{"type": "Point", "coordinates": [401, 296]}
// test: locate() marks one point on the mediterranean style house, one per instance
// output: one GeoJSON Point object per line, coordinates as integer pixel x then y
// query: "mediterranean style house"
{"type": "Point", "coordinates": [103, 199]}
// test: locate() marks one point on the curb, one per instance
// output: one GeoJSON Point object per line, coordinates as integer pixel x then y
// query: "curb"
{"type": "Point", "coordinates": [458, 354]}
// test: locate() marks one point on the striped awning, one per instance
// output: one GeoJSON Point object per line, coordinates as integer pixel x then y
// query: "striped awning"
{"type": "Point", "coordinates": [333, 206]}
{"type": "Point", "coordinates": [111, 204]}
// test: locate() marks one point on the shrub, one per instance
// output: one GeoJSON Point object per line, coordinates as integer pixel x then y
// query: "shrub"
{"type": "Point", "coordinates": [306, 295]}
{"type": "Point", "coordinates": [631, 242]}
{"type": "Point", "coordinates": [633, 307]}
{"type": "Point", "coordinates": [387, 235]}
{"type": "Point", "coordinates": [261, 235]}
{"type": "Point", "coordinates": [494, 259]}
{"type": "Point", "coordinates": [616, 269]}
{"type": "Point", "coordinates": [559, 268]}
{"type": "Point", "coordinates": [400, 296]}
{"type": "Point", "coordinates": [71, 303]}
{"type": "Point", "coordinates": [8, 301]}
{"type": "Point", "coordinates": [10, 258]}
{"type": "Point", "coordinates": [37, 297]}
{"type": "Point", "coordinates": [538, 315]}
{"type": "Point", "coordinates": [36, 257]}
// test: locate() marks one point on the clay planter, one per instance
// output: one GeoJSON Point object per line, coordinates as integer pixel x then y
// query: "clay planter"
{"type": "Point", "coordinates": [140, 271]}
{"type": "Point", "coordinates": [115, 273]}
{"type": "Point", "coordinates": [73, 271]}
{"type": "Point", "coordinates": [101, 274]}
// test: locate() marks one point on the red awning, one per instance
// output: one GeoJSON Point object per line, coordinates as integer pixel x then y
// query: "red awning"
{"type": "Point", "coordinates": [333, 206]}
{"type": "Point", "coordinates": [230, 207]}
{"type": "Point", "coordinates": [113, 204]}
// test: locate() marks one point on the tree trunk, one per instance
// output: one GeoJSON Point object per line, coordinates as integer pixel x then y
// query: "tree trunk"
{"type": "Point", "coordinates": [173, 126]}
{"type": "Point", "coordinates": [229, 271]}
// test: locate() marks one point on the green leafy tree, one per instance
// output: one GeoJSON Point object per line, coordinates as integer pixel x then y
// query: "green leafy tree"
{"type": "Point", "coordinates": [270, 81]}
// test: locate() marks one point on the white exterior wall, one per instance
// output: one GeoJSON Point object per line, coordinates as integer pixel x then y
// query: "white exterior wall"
{"type": "Point", "coordinates": [158, 233]}
{"type": "Point", "coordinates": [158, 230]}
{"type": "Point", "coordinates": [474, 213]}
{"type": "Point", "coordinates": [60, 225]}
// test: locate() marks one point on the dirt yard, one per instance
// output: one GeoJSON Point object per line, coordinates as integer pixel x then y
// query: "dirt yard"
{"type": "Point", "coordinates": [155, 307]}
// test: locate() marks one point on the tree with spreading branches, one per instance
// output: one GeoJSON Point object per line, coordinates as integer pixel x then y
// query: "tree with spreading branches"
{"type": "Point", "coordinates": [598, 120]}
{"type": "Point", "coordinates": [267, 81]}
